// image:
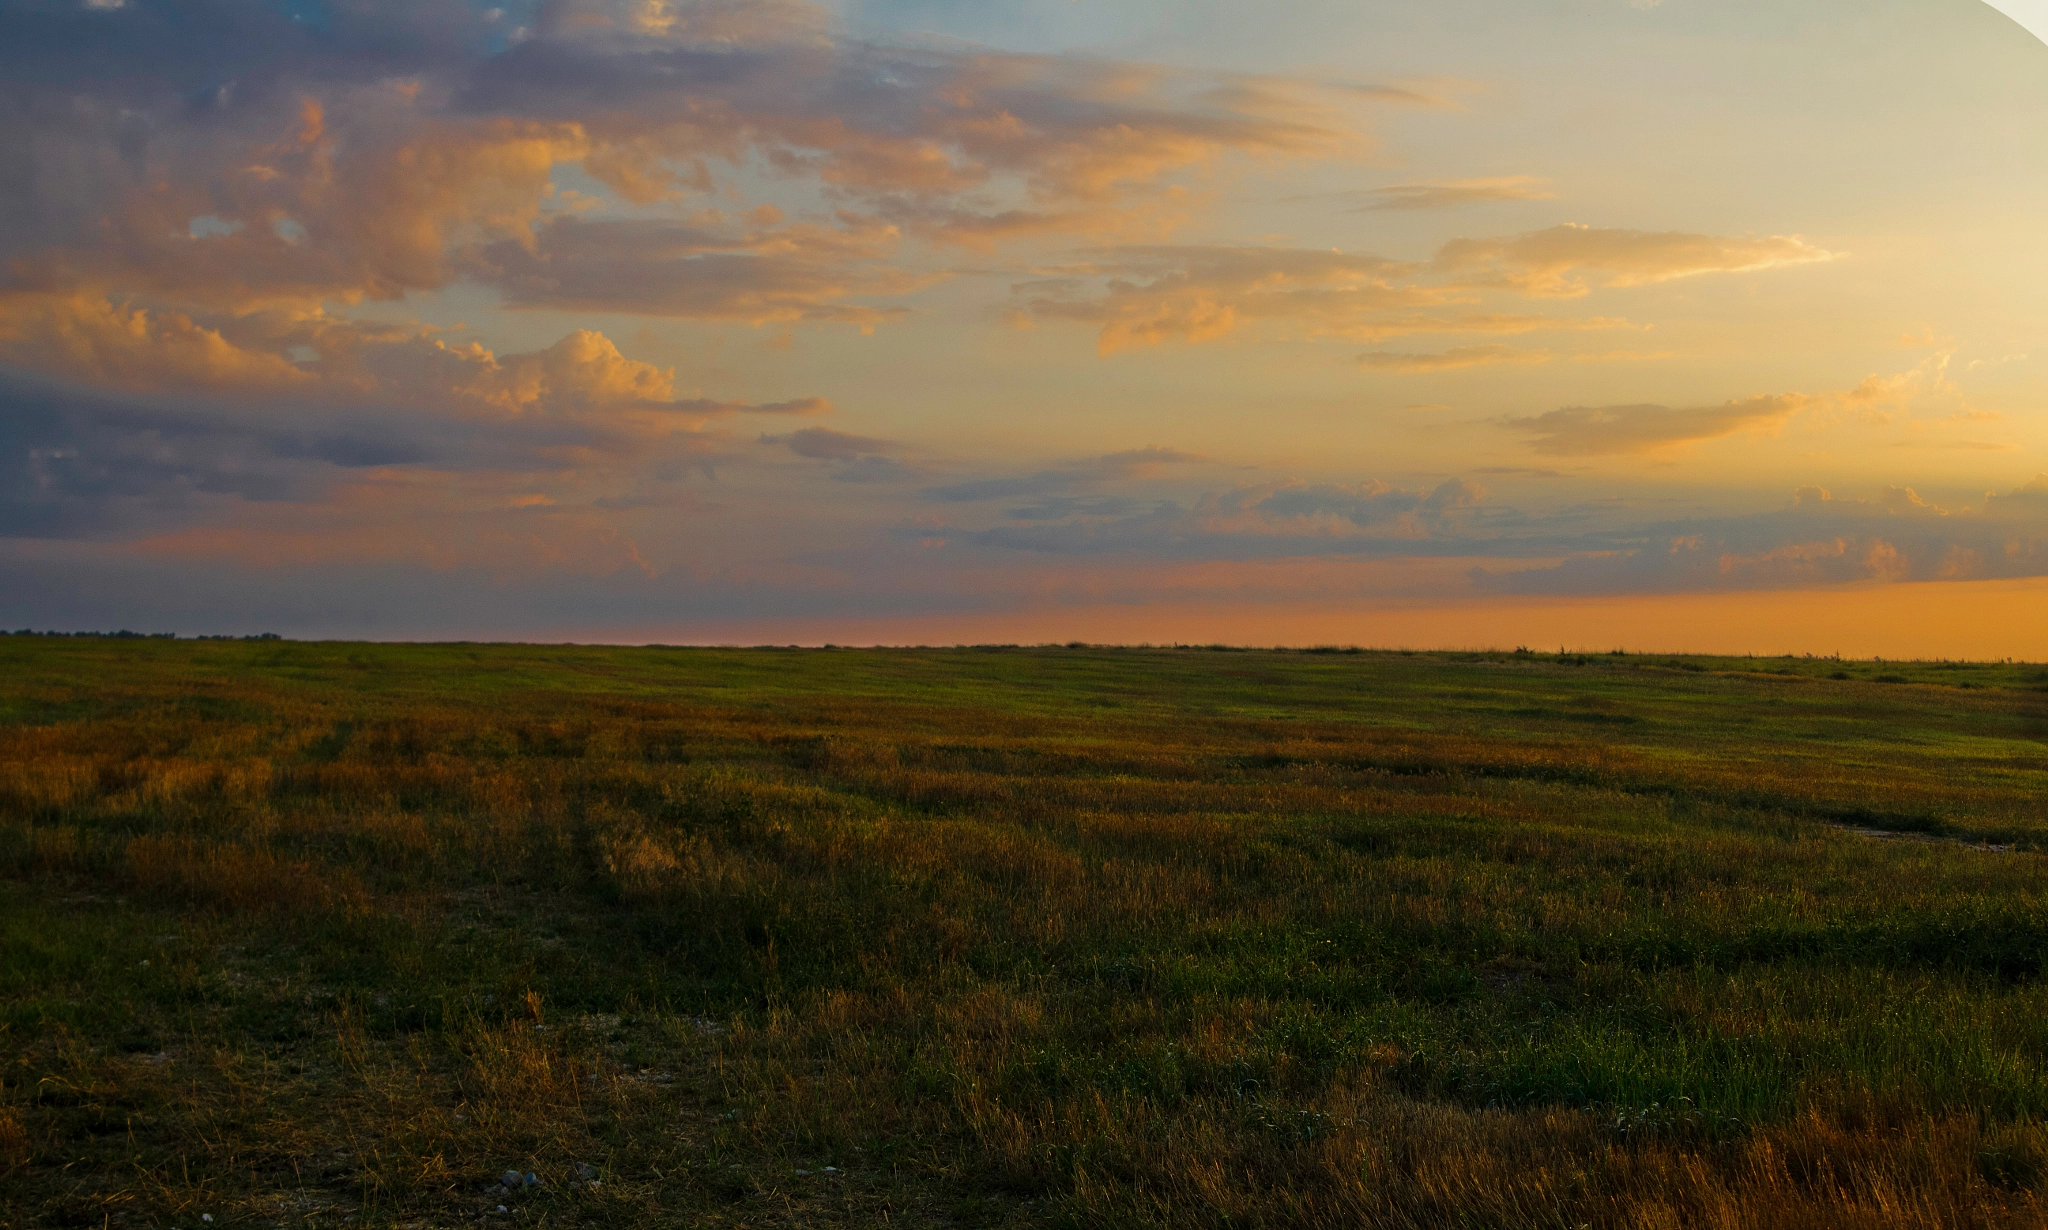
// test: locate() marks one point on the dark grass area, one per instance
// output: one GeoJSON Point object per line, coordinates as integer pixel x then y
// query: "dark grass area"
{"type": "Point", "coordinates": [292, 933]}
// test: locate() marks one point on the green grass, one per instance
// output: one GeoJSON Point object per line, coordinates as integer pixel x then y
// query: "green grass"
{"type": "Point", "coordinates": [295, 933]}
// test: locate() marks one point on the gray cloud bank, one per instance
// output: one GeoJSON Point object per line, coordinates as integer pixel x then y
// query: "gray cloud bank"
{"type": "Point", "coordinates": [1815, 539]}
{"type": "Point", "coordinates": [1118, 538]}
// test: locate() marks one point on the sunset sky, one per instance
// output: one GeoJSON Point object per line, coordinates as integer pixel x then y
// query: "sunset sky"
{"type": "Point", "coordinates": [1692, 324]}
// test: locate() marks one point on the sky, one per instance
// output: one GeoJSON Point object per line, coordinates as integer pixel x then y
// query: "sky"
{"type": "Point", "coordinates": [1692, 324]}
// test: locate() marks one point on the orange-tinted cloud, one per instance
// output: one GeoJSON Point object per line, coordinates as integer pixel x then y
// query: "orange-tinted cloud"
{"type": "Point", "coordinates": [1146, 295]}
{"type": "Point", "coordinates": [775, 275]}
{"type": "Point", "coordinates": [376, 188]}
{"type": "Point", "coordinates": [1554, 263]}
{"type": "Point", "coordinates": [1449, 360]}
{"type": "Point", "coordinates": [96, 342]}
{"type": "Point", "coordinates": [1452, 193]}
{"type": "Point", "coordinates": [88, 338]}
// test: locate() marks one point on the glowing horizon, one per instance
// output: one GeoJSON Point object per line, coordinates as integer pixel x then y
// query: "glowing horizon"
{"type": "Point", "coordinates": [892, 316]}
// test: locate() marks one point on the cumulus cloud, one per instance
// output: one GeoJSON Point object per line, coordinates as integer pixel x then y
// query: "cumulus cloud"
{"type": "Point", "coordinates": [582, 375]}
{"type": "Point", "coordinates": [1598, 430]}
{"type": "Point", "coordinates": [1452, 193]}
{"type": "Point", "coordinates": [147, 449]}
{"type": "Point", "coordinates": [313, 358]}
{"type": "Point", "coordinates": [90, 338]}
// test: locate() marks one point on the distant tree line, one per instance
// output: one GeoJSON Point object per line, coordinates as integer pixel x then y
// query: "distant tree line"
{"type": "Point", "coordinates": [125, 635]}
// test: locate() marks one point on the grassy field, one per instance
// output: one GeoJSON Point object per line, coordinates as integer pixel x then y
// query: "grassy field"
{"type": "Point", "coordinates": [299, 934]}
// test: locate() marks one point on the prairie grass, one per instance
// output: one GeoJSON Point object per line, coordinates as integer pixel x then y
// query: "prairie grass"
{"type": "Point", "coordinates": [299, 933]}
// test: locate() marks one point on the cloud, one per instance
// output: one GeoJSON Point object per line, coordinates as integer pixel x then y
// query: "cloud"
{"type": "Point", "coordinates": [204, 199]}
{"type": "Point", "coordinates": [307, 358]}
{"type": "Point", "coordinates": [1110, 467]}
{"type": "Point", "coordinates": [822, 443]}
{"type": "Point", "coordinates": [1450, 360]}
{"type": "Point", "coordinates": [1649, 429]}
{"type": "Point", "coordinates": [2000, 361]}
{"type": "Point", "coordinates": [1607, 430]}
{"type": "Point", "coordinates": [1405, 95]}
{"type": "Point", "coordinates": [1147, 295]}
{"type": "Point", "coordinates": [153, 446]}
{"type": "Point", "coordinates": [1814, 539]}
{"type": "Point", "coordinates": [1135, 463]}
{"type": "Point", "coordinates": [1546, 264]}
{"type": "Point", "coordinates": [1968, 446]}
{"type": "Point", "coordinates": [74, 463]}
{"type": "Point", "coordinates": [583, 373]}
{"type": "Point", "coordinates": [1818, 539]}
{"type": "Point", "coordinates": [202, 195]}
{"type": "Point", "coordinates": [1498, 324]}
{"type": "Point", "coordinates": [728, 23]}
{"type": "Point", "coordinates": [1067, 507]}
{"type": "Point", "coordinates": [389, 150]}
{"type": "Point", "coordinates": [653, 268]}
{"type": "Point", "coordinates": [1894, 501]}
{"type": "Point", "coordinates": [851, 458]}
{"type": "Point", "coordinates": [1369, 504]}
{"type": "Point", "coordinates": [1454, 193]}
{"type": "Point", "coordinates": [87, 337]}
{"type": "Point", "coordinates": [1265, 521]}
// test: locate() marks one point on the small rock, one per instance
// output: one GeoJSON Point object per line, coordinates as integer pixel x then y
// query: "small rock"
{"type": "Point", "coordinates": [585, 1171]}
{"type": "Point", "coordinates": [831, 1170]}
{"type": "Point", "coordinates": [595, 1184]}
{"type": "Point", "coordinates": [532, 1179]}
{"type": "Point", "coordinates": [804, 1174]}
{"type": "Point", "coordinates": [501, 1208]}
{"type": "Point", "coordinates": [510, 1180]}
{"type": "Point", "coordinates": [206, 1217]}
